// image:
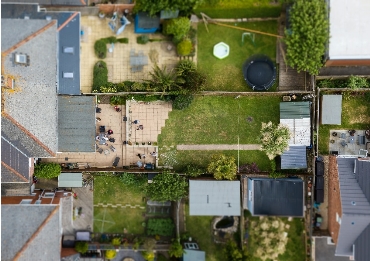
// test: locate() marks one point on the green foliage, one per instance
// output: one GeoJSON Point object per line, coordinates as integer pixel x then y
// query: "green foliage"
{"type": "Point", "coordinates": [161, 257]}
{"type": "Point", "coordinates": [81, 247]}
{"type": "Point", "coordinates": [137, 182]}
{"type": "Point", "coordinates": [222, 167]}
{"type": "Point", "coordinates": [149, 244]}
{"type": "Point", "coordinates": [193, 171]}
{"type": "Point", "coordinates": [232, 252]}
{"type": "Point", "coordinates": [117, 100]}
{"type": "Point", "coordinates": [189, 78]}
{"type": "Point", "coordinates": [47, 170]}
{"type": "Point", "coordinates": [274, 139]}
{"type": "Point", "coordinates": [100, 75]}
{"type": "Point", "coordinates": [182, 102]}
{"type": "Point", "coordinates": [353, 82]}
{"type": "Point", "coordinates": [116, 241]}
{"type": "Point", "coordinates": [110, 254]}
{"type": "Point", "coordinates": [148, 256]}
{"type": "Point", "coordinates": [162, 79]}
{"type": "Point", "coordinates": [108, 88]}
{"type": "Point", "coordinates": [178, 27]}
{"type": "Point", "coordinates": [167, 186]}
{"type": "Point", "coordinates": [176, 249]}
{"type": "Point", "coordinates": [184, 6]}
{"type": "Point", "coordinates": [100, 48]}
{"type": "Point", "coordinates": [122, 40]}
{"type": "Point", "coordinates": [309, 33]}
{"type": "Point", "coordinates": [160, 226]}
{"type": "Point", "coordinates": [356, 82]}
{"type": "Point", "coordinates": [184, 47]}
{"type": "Point", "coordinates": [142, 39]}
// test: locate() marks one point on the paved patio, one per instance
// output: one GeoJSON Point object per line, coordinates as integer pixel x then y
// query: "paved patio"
{"type": "Point", "coordinates": [344, 144]}
{"type": "Point", "coordinates": [118, 62]}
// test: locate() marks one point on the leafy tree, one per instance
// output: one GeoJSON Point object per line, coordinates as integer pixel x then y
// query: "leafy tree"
{"type": "Point", "coordinates": [81, 247]}
{"type": "Point", "coordinates": [184, 47]}
{"type": "Point", "coordinates": [153, 7]}
{"type": "Point", "coordinates": [110, 254]}
{"type": "Point", "coordinates": [309, 33]}
{"type": "Point", "coordinates": [167, 186]}
{"type": "Point", "coordinates": [47, 170]}
{"type": "Point", "coordinates": [178, 27]}
{"type": "Point", "coordinates": [274, 139]}
{"type": "Point", "coordinates": [100, 75]}
{"type": "Point", "coordinates": [232, 252]}
{"type": "Point", "coordinates": [222, 167]}
{"type": "Point", "coordinates": [176, 249]}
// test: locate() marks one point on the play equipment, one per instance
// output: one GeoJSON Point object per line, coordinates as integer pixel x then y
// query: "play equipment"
{"type": "Point", "coordinates": [259, 72]}
{"type": "Point", "coordinates": [221, 50]}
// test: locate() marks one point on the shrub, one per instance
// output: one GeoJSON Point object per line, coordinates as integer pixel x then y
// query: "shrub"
{"type": "Point", "coordinates": [100, 75]}
{"type": "Point", "coordinates": [160, 190]}
{"type": "Point", "coordinates": [160, 226]}
{"type": "Point", "coordinates": [148, 256]}
{"type": "Point", "coordinates": [161, 257]}
{"type": "Point", "coordinates": [184, 47]}
{"type": "Point", "coordinates": [274, 139]}
{"type": "Point", "coordinates": [189, 78]}
{"type": "Point", "coordinates": [81, 247]}
{"type": "Point", "coordinates": [110, 254]}
{"type": "Point", "coordinates": [136, 182]}
{"type": "Point", "coordinates": [178, 27]}
{"type": "Point", "coordinates": [176, 249]}
{"type": "Point", "coordinates": [222, 167]}
{"type": "Point", "coordinates": [110, 39]}
{"type": "Point", "coordinates": [122, 40]}
{"type": "Point", "coordinates": [116, 241]}
{"type": "Point", "coordinates": [249, 168]}
{"type": "Point", "coordinates": [355, 82]}
{"type": "Point", "coordinates": [142, 39]}
{"type": "Point", "coordinates": [100, 48]}
{"type": "Point", "coordinates": [47, 170]}
{"type": "Point", "coordinates": [193, 171]}
{"type": "Point", "coordinates": [182, 101]}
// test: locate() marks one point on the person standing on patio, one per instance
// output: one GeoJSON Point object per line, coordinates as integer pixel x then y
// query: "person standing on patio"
{"type": "Point", "coordinates": [136, 122]}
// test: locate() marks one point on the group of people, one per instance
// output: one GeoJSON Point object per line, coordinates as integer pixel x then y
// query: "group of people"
{"type": "Point", "coordinates": [106, 137]}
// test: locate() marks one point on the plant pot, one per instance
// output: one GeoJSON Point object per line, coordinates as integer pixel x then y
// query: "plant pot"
{"type": "Point", "coordinates": [101, 15]}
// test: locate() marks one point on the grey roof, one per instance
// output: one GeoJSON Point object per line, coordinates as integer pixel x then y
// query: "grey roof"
{"type": "Point", "coordinates": [294, 158]}
{"type": "Point", "coordinates": [276, 197]}
{"type": "Point", "coordinates": [17, 161]}
{"type": "Point", "coordinates": [294, 110]}
{"type": "Point", "coordinates": [51, 2]}
{"type": "Point", "coordinates": [76, 123]}
{"type": "Point", "coordinates": [70, 180]}
{"type": "Point", "coordinates": [362, 250]}
{"type": "Point", "coordinates": [331, 112]}
{"type": "Point", "coordinates": [69, 36]}
{"type": "Point", "coordinates": [355, 206]}
{"type": "Point", "coordinates": [214, 198]}
{"type": "Point", "coordinates": [145, 21]}
{"type": "Point", "coordinates": [15, 189]}
{"type": "Point", "coordinates": [33, 103]}
{"type": "Point", "coordinates": [19, 223]}
{"type": "Point", "coordinates": [194, 255]}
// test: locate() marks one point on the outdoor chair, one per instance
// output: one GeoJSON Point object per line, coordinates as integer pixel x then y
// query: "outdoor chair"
{"type": "Point", "coordinates": [102, 128]}
{"type": "Point", "coordinates": [343, 143]}
{"type": "Point", "coordinates": [343, 135]}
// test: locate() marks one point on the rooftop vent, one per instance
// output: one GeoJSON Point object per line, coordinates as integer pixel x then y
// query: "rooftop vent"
{"type": "Point", "coordinates": [68, 50]}
{"type": "Point", "coordinates": [22, 59]}
{"type": "Point", "coordinates": [67, 74]}
{"type": "Point", "coordinates": [7, 82]}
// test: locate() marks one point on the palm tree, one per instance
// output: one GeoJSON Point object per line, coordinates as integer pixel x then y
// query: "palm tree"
{"type": "Point", "coordinates": [163, 79]}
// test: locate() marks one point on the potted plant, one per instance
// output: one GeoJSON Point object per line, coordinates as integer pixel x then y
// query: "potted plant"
{"type": "Point", "coordinates": [101, 14]}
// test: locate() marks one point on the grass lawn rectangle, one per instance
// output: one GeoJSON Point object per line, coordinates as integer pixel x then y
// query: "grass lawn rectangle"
{"type": "Point", "coordinates": [115, 220]}
{"type": "Point", "coordinates": [199, 228]}
{"type": "Point", "coordinates": [226, 74]}
{"type": "Point", "coordinates": [355, 115]}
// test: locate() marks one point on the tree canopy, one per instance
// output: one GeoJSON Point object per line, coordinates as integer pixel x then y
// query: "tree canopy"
{"type": "Point", "coordinates": [47, 170]}
{"type": "Point", "coordinates": [274, 139]}
{"type": "Point", "coordinates": [308, 35]}
{"type": "Point", "coordinates": [153, 7]}
{"type": "Point", "coordinates": [222, 167]}
{"type": "Point", "coordinates": [167, 186]}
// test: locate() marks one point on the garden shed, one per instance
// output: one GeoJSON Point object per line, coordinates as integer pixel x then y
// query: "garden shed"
{"type": "Point", "coordinates": [214, 198]}
{"type": "Point", "coordinates": [146, 24]}
{"type": "Point", "coordinates": [70, 180]}
{"type": "Point", "coordinates": [276, 197]}
{"type": "Point", "coordinates": [294, 158]}
{"type": "Point", "coordinates": [194, 255]}
{"type": "Point", "coordinates": [331, 112]}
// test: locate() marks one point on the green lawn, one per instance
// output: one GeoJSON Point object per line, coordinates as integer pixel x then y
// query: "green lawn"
{"type": "Point", "coordinates": [355, 115]}
{"type": "Point", "coordinates": [240, 9]}
{"type": "Point", "coordinates": [226, 74]}
{"type": "Point", "coordinates": [199, 228]}
{"type": "Point", "coordinates": [219, 120]}
{"type": "Point", "coordinates": [110, 190]}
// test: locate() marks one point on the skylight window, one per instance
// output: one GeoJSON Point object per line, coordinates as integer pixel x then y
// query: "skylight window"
{"type": "Point", "coordinates": [21, 58]}
{"type": "Point", "coordinates": [68, 50]}
{"type": "Point", "coordinates": [67, 74]}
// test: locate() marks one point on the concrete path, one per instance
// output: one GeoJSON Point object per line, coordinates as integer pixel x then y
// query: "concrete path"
{"type": "Point", "coordinates": [220, 147]}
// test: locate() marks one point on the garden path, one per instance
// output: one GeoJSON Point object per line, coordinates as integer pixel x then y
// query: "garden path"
{"type": "Point", "coordinates": [220, 147]}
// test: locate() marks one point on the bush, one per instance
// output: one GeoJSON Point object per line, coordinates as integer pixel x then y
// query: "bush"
{"type": "Point", "coordinates": [161, 257]}
{"type": "Point", "coordinates": [160, 226]}
{"type": "Point", "coordinates": [122, 40]}
{"type": "Point", "coordinates": [47, 170]}
{"type": "Point", "coordinates": [136, 182]}
{"type": "Point", "coordinates": [81, 247]}
{"type": "Point", "coordinates": [193, 171]}
{"type": "Point", "coordinates": [178, 27]}
{"type": "Point", "coordinates": [100, 75]}
{"type": "Point", "coordinates": [100, 48]}
{"type": "Point", "coordinates": [116, 241]}
{"type": "Point", "coordinates": [110, 254]}
{"type": "Point", "coordinates": [176, 249]}
{"type": "Point", "coordinates": [184, 47]}
{"type": "Point", "coordinates": [222, 167]}
{"type": "Point", "coordinates": [355, 82]}
{"type": "Point", "coordinates": [182, 101]}
{"type": "Point", "coordinates": [142, 39]}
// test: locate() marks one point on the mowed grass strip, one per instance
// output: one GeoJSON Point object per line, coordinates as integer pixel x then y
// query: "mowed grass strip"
{"type": "Point", "coordinates": [226, 74]}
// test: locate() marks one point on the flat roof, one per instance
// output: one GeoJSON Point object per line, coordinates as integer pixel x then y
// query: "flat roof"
{"type": "Point", "coordinates": [331, 112]}
{"type": "Point", "coordinates": [70, 180]}
{"type": "Point", "coordinates": [349, 29]}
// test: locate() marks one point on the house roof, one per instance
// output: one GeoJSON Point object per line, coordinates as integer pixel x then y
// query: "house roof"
{"type": "Point", "coordinates": [296, 115]}
{"type": "Point", "coordinates": [355, 205]}
{"type": "Point", "coordinates": [194, 255]}
{"type": "Point", "coordinates": [362, 250]}
{"type": "Point", "coordinates": [26, 228]}
{"type": "Point", "coordinates": [76, 123]}
{"type": "Point", "coordinates": [294, 158]}
{"type": "Point", "coordinates": [15, 189]}
{"type": "Point", "coordinates": [348, 29]}
{"type": "Point", "coordinates": [214, 198]}
{"type": "Point", "coordinates": [331, 112]}
{"type": "Point", "coordinates": [276, 197]}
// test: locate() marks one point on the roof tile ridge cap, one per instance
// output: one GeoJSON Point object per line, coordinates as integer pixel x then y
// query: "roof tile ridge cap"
{"type": "Point", "coordinates": [28, 38]}
{"type": "Point", "coordinates": [29, 134]}
{"type": "Point", "coordinates": [39, 229]}
{"type": "Point", "coordinates": [67, 21]}
{"type": "Point", "coordinates": [13, 171]}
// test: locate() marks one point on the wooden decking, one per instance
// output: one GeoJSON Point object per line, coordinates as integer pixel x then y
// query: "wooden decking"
{"type": "Point", "coordinates": [289, 78]}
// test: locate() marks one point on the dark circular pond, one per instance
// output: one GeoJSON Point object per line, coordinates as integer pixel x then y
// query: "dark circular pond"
{"type": "Point", "coordinates": [225, 222]}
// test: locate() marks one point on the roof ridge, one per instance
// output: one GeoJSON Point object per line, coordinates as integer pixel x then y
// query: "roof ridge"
{"type": "Point", "coordinates": [67, 21]}
{"type": "Point", "coordinates": [29, 134]}
{"type": "Point", "coordinates": [14, 171]}
{"type": "Point", "coordinates": [28, 38]}
{"type": "Point", "coordinates": [39, 229]}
